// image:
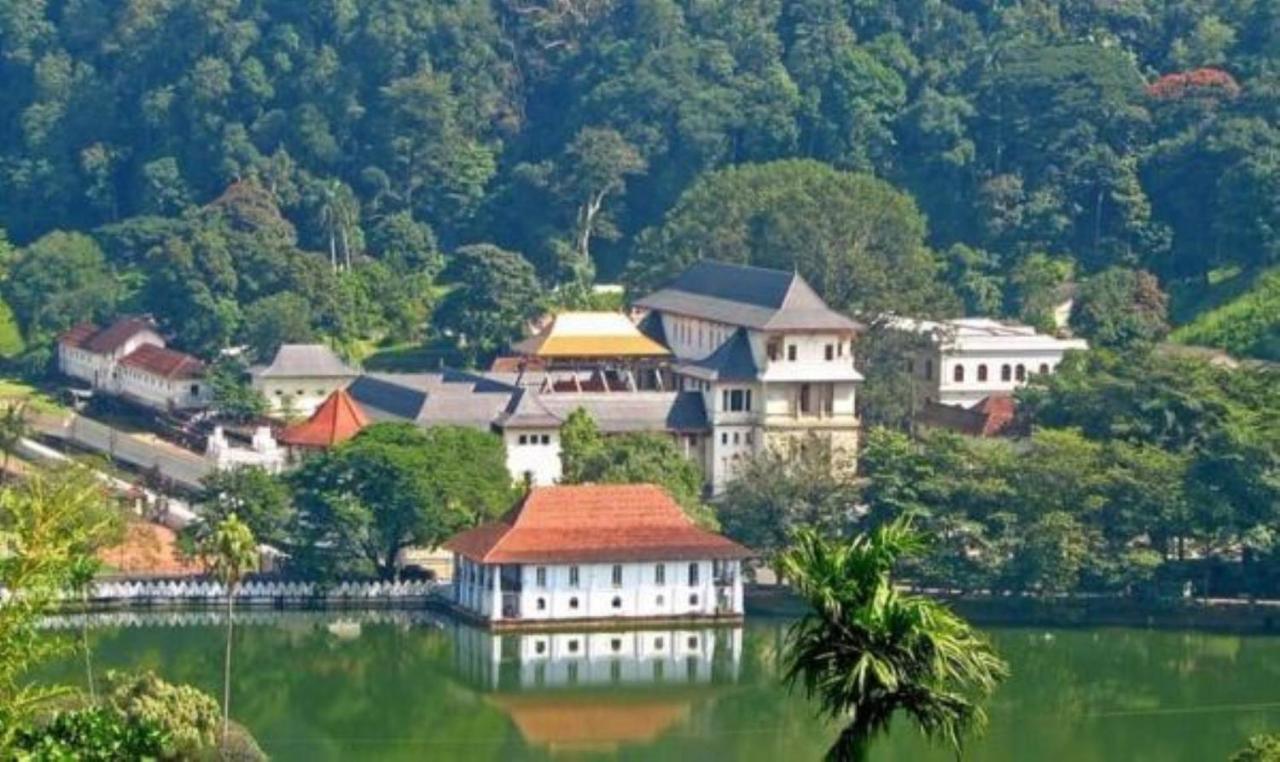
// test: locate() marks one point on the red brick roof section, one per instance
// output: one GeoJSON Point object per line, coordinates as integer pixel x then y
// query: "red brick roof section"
{"type": "Point", "coordinates": [593, 523]}
{"type": "Point", "coordinates": [115, 335]}
{"type": "Point", "coordinates": [1000, 411]}
{"type": "Point", "coordinates": [167, 363]}
{"type": "Point", "coordinates": [77, 335]}
{"type": "Point", "coordinates": [336, 420]}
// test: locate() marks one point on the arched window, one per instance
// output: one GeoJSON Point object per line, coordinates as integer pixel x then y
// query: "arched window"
{"type": "Point", "coordinates": [958, 374]}
{"type": "Point", "coordinates": [1006, 373]}
{"type": "Point", "coordinates": [982, 372]}
{"type": "Point", "coordinates": [1044, 368]}
{"type": "Point", "coordinates": [1021, 372]}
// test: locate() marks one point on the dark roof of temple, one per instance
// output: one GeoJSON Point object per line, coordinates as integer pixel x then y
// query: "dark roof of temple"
{"type": "Point", "coordinates": [753, 297]}
{"type": "Point", "coordinates": [613, 412]}
{"type": "Point", "coordinates": [732, 361]}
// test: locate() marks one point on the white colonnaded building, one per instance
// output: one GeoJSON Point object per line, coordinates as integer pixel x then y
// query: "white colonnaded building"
{"type": "Point", "coordinates": [967, 360]}
{"type": "Point", "coordinates": [592, 552]}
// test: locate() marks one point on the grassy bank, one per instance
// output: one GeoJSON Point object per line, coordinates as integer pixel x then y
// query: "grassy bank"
{"type": "Point", "coordinates": [1174, 614]}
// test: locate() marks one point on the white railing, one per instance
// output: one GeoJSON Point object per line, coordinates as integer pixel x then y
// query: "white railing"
{"type": "Point", "coordinates": [201, 592]}
{"type": "Point", "coordinates": [258, 616]}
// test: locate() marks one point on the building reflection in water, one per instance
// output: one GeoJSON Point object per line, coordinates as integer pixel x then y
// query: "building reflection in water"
{"type": "Point", "coordinates": [595, 691]}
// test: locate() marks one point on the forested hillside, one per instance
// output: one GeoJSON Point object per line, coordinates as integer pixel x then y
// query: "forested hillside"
{"type": "Point", "coordinates": [262, 170]}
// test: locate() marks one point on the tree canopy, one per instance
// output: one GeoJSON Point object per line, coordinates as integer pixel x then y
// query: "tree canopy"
{"type": "Point", "coordinates": [393, 486]}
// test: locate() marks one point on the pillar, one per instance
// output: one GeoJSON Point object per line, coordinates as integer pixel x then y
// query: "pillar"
{"type": "Point", "coordinates": [737, 587]}
{"type": "Point", "coordinates": [496, 612]}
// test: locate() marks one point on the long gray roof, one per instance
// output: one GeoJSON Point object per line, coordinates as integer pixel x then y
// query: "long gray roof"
{"type": "Point", "coordinates": [306, 361]}
{"type": "Point", "coordinates": [613, 412]}
{"type": "Point", "coordinates": [448, 397]}
{"type": "Point", "coordinates": [753, 297]}
{"type": "Point", "coordinates": [468, 399]}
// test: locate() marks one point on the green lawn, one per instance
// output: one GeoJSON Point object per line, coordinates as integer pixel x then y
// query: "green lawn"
{"type": "Point", "coordinates": [41, 401]}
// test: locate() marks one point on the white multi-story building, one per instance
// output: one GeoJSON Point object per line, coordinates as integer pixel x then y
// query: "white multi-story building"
{"type": "Point", "coordinates": [772, 361]}
{"type": "Point", "coordinates": [970, 359]}
{"type": "Point", "coordinates": [300, 378]}
{"type": "Point", "coordinates": [129, 359]}
{"type": "Point", "coordinates": [595, 552]}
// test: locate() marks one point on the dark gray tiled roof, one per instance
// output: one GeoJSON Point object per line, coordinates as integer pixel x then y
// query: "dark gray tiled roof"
{"type": "Point", "coordinates": [449, 397]}
{"type": "Point", "coordinates": [732, 361]}
{"type": "Point", "coordinates": [306, 361]}
{"type": "Point", "coordinates": [613, 412]}
{"type": "Point", "coordinates": [465, 399]}
{"type": "Point", "coordinates": [753, 297]}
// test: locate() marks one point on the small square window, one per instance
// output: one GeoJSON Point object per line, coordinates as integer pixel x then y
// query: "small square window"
{"type": "Point", "coordinates": [615, 645]}
{"type": "Point", "coordinates": [542, 606]}
{"type": "Point", "coordinates": [791, 352]}
{"type": "Point", "coordinates": [573, 646]}
{"type": "Point", "coordinates": [616, 602]}
{"type": "Point", "coordinates": [573, 604]}
{"type": "Point", "coordinates": [524, 440]}
{"type": "Point", "coordinates": [693, 600]}
{"type": "Point", "coordinates": [546, 439]}
{"type": "Point", "coordinates": [693, 641]}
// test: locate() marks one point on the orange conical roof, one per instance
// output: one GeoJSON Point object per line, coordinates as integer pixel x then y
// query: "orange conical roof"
{"type": "Point", "coordinates": [336, 420]}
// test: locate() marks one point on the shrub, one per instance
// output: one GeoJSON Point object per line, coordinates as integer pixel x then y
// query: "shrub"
{"type": "Point", "coordinates": [189, 718]}
{"type": "Point", "coordinates": [100, 733]}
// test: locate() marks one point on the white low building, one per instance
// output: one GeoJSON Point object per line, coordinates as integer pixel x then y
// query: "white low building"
{"type": "Point", "coordinates": [596, 552]}
{"type": "Point", "coordinates": [970, 359]}
{"type": "Point", "coordinates": [300, 378]}
{"type": "Point", "coordinates": [129, 359]}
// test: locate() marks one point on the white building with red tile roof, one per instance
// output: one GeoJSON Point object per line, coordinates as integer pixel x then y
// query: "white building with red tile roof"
{"type": "Point", "coordinates": [596, 552]}
{"type": "Point", "coordinates": [129, 359]}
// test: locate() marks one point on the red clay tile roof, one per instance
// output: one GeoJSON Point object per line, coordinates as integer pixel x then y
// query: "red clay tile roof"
{"type": "Point", "coordinates": [115, 335]}
{"type": "Point", "coordinates": [77, 335]}
{"type": "Point", "coordinates": [336, 420]}
{"type": "Point", "coordinates": [593, 523]}
{"type": "Point", "coordinates": [991, 417]}
{"type": "Point", "coordinates": [168, 363]}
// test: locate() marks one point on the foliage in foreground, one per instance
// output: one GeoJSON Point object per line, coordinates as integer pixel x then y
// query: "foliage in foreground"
{"type": "Point", "coordinates": [867, 651]}
{"type": "Point", "coordinates": [49, 522]}
{"type": "Point", "coordinates": [1260, 748]}
{"type": "Point", "coordinates": [98, 734]}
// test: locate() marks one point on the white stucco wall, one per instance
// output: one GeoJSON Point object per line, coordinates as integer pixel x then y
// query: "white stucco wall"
{"type": "Point", "coordinates": [943, 387]}
{"type": "Point", "coordinates": [305, 394]}
{"type": "Point", "coordinates": [594, 597]}
{"type": "Point", "coordinates": [162, 393]}
{"type": "Point", "coordinates": [534, 453]}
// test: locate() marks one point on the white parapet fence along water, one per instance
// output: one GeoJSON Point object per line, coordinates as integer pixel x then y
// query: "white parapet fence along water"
{"type": "Point", "coordinates": [263, 593]}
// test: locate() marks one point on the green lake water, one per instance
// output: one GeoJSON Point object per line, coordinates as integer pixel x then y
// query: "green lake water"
{"type": "Point", "coordinates": [402, 686]}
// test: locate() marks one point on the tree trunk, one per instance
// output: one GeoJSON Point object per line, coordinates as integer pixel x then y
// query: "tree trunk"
{"type": "Point", "coordinates": [226, 670]}
{"type": "Point", "coordinates": [333, 251]}
{"type": "Point", "coordinates": [84, 642]}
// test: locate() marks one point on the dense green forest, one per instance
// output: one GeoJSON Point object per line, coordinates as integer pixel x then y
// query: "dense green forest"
{"type": "Point", "coordinates": [260, 170]}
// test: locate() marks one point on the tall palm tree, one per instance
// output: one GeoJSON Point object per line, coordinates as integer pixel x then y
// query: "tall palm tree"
{"type": "Point", "coordinates": [230, 551]}
{"type": "Point", "coordinates": [13, 427]}
{"type": "Point", "coordinates": [867, 651]}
